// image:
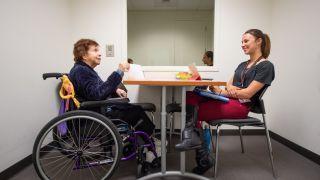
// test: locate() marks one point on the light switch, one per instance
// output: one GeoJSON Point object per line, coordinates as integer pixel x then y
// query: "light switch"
{"type": "Point", "coordinates": [110, 50]}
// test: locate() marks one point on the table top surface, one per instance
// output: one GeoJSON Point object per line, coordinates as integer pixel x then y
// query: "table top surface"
{"type": "Point", "coordinates": [172, 82]}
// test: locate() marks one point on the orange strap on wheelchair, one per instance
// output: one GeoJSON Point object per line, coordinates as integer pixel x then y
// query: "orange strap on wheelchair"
{"type": "Point", "coordinates": [67, 90]}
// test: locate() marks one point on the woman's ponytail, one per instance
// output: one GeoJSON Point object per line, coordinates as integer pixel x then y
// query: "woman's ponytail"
{"type": "Point", "coordinates": [266, 43]}
{"type": "Point", "coordinates": [267, 46]}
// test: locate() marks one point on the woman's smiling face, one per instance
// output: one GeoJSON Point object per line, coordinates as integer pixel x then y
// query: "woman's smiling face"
{"type": "Point", "coordinates": [250, 44]}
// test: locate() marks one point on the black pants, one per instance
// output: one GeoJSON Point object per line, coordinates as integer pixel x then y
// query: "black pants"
{"type": "Point", "coordinates": [133, 115]}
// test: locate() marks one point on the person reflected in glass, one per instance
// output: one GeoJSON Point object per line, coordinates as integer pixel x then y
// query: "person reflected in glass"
{"type": "Point", "coordinates": [207, 58]}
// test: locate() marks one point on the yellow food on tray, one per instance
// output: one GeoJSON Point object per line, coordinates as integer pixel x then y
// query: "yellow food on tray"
{"type": "Point", "coordinates": [183, 75]}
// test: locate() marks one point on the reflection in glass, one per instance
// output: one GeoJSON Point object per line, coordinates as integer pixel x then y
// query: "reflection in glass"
{"type": "Point", "coordinates": [169, 34]}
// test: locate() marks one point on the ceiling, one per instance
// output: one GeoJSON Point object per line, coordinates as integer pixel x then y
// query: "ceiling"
{"type": "Point", "coordinates": [170, 4]}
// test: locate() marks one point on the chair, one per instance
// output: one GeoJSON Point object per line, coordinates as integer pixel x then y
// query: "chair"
{"type": "Point", "coordinates": [250, 121]}
{"type": "Point", "coordinates": [171, 109]}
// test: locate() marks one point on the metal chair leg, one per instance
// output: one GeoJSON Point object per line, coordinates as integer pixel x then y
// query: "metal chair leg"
{"type": "Point", "coordinates": [269, 147]}
{"type": "Point", "coordinates": [170, 131]}
{"type": "Point", "coordinates": [152, 119]}
{"type": "Point", "coordinates": [216, 151]}
{"type": "Point", "coordinates": [212, 146]}
{"type": "Point", "coordinates": [241, 140]}
{"type": "Point", "coordinates": [152, 116]}
{"type": "Point", "coordinates": [172, 125]}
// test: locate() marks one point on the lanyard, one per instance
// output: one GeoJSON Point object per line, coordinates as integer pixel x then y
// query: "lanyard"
{"type": "Point", "coordinates": [246, 69]}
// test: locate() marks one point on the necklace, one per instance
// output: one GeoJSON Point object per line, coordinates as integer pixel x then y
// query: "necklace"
{"type": "Point", "coordinates": [246, 69]}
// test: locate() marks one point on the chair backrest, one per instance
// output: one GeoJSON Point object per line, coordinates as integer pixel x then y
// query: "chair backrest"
{"type": "Point", "coordinates": [259, 105]}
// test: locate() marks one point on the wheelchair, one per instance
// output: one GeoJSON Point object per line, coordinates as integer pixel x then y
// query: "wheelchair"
{"type": "Point", "coordinates": [82, 142]}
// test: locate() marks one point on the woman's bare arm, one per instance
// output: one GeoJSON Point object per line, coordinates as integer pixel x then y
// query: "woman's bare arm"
{"type": "Point", "coordinates": [229, 83]}
{"type": "Point", "coordinates": [231, 89]}
{"type": "Point", "coordinates": [245, 93]}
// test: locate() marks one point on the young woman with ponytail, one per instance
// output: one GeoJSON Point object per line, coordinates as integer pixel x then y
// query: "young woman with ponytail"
{"type": "Point", "coordinates": [243, 89]}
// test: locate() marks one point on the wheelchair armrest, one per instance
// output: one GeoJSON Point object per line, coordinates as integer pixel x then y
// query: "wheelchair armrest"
{"type": "Point", "coordinates": [91, 104]}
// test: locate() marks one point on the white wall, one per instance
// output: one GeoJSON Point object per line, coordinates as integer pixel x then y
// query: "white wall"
{"type": "Point", "coordinates": [38, 36]}
{"type": "Point", "coordinates": [34, 39]}
{"type": "Point", "coordinates": [293, 100]}
{"type": "Point", "coordinates": [106, 22]}
{"type": "Point", "coordinates": [165, 38]}
{"type": "Point", "coordinates": [232, 19]}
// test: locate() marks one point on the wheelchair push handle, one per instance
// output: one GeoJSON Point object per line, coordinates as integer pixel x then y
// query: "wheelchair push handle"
{"type": "Point", "coordinates": [52, 75]}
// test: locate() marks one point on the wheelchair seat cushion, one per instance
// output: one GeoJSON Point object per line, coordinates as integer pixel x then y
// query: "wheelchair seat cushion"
{"type": "Point", "coordinates": [133, 115]}
{"type": "Point", "coordinates": [150, 107]}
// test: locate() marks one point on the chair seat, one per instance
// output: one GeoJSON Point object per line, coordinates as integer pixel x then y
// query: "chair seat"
{"type": "Point", "coordinates": [173, 107]}
{"type": "Point", "coordinates": [238, 122]}
{"type": "Point", "coordinates": [150, 107]}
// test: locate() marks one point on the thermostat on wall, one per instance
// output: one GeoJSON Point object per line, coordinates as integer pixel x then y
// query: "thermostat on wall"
{"type": "Point", "coordinates": [110, 50]}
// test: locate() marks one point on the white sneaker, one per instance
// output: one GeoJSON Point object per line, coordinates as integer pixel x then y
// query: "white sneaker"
{"type": "Point", "coordinates": [157, 143]}
{"type": "Point", "coordinates": [150, 156]}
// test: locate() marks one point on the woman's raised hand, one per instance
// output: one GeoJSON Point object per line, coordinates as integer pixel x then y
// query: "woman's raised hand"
{"type": "Point", "coordinates": [121, 93]}
{"type": "Point", "coordinates": [124, 66]}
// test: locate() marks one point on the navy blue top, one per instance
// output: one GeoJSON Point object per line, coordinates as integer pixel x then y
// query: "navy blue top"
{"type": "Point", "coordinates": [89, 86]}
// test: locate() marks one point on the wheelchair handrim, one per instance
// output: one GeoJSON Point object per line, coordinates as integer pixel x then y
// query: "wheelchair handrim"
{"type": "Point", "coordinates": [76, 117]}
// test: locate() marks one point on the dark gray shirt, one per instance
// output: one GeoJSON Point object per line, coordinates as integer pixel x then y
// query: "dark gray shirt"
{"type": "Point", "coordinates": [262, 72]}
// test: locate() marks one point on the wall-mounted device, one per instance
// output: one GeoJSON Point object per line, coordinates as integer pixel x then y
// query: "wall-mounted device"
{"type": "Point", "coordinates": [110, 50]}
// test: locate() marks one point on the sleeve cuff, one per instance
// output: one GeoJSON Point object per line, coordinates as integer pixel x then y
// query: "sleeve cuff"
{"type": "Point", "coordinates": [120, 72]}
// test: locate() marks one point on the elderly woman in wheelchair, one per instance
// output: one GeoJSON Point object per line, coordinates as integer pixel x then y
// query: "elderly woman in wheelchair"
{"type": "Point", "coordinates": [93, 132]}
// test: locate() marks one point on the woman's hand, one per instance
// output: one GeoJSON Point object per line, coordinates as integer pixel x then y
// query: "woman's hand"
{"type": "Point", "coordinates": [232, 91]}
{"type": "Point", "coordinates": [215, 89]}
{"type": "Point", "coordinates": [121, 93]}
{"type": "Point", "coordinates": [124, 66]}
{"type": "Point", "coordinates": [231, 87]}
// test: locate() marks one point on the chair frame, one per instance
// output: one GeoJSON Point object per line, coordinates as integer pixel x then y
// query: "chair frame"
{"type": "Point", "coordinates": [170, 120]}
{"type": "Point", "coordinates": [250, 121]}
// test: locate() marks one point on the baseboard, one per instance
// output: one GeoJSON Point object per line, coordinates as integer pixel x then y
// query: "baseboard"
{"type": "Point", "coordinates": [16, 168]}
{"type": "Point", "coordinates": [19, 166]}
{"type": "Point", "coordinates": [295, 147]}
{"type": "Point", "coordinates": [230, 132]}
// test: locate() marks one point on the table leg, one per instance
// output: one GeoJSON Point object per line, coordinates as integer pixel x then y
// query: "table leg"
{"type": "Point", "coordinates": [182, 172]}
{"type": "Point", "coordinates": [183, 124]}
{"type": "Point", "coordinates": [163, 131]}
